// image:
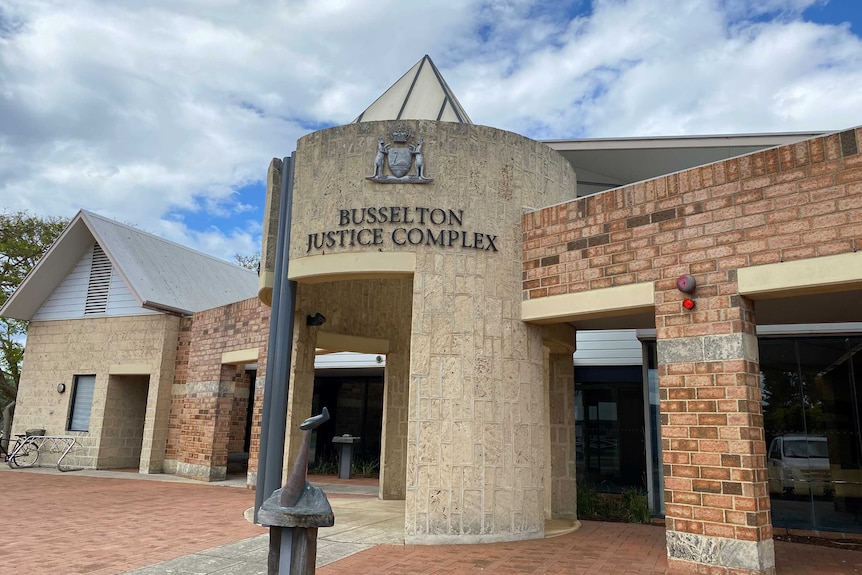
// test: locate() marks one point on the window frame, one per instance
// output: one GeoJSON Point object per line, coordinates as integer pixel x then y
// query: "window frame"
{"type": "Point", "coordinates": [75, 398]}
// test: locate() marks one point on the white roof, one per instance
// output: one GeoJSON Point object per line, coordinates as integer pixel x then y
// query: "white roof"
{"type": "Point", "coordinates": [162, 275]}
{"type": "Point", "coordinates": [605, 163]}
{"type": "Point", "coordinates": [420, 94]}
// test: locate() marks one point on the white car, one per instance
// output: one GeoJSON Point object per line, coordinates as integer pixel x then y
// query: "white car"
{"type": "Point", "coordinates": [799, 465]}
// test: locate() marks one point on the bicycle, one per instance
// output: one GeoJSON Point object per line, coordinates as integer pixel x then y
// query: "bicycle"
{"type": "Point", "coordinates": [26, 450]}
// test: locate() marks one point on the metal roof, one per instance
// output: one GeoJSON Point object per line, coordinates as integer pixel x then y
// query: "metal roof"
{"type": "Point", "coordinates": [420, 94]}
{"type": "Point", "coordinates": [162, 275]}
{"type": "Point", "coordinates": [605, 163]}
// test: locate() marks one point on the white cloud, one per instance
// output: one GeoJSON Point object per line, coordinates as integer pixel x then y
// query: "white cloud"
{"type": "Point", "coordinates": [159, 112]}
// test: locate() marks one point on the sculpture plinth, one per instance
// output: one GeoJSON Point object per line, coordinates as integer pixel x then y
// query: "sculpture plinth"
{"type": "Point", "coordinates": [293, 514]}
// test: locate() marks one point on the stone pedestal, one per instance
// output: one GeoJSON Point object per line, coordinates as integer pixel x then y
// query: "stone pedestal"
{"type": "Point", "coordinates": [345, 454]}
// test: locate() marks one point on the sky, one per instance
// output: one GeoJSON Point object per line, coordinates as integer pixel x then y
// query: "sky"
{"type": "Point", "coordinates": [164, 114]}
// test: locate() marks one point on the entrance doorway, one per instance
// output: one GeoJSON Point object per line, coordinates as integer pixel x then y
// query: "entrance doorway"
{"type": "Point", "coordinates": [609, 421]}
{"type": "Point", "coordinates": [355, 405]}
{"type": "Point", "coordinates": [241, 418]}
{"type": "Point", "coordinates": [123, 427]}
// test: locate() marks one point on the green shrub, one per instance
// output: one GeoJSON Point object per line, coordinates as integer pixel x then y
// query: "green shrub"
{"type": "Point", "coordinates": [631, 506]}
{"type": "Point", "coordinates": [637, 506]}
{"type": "Point", "coordinates": [365, 467]}
{"type": "Point", "coordinates": [324, 464]}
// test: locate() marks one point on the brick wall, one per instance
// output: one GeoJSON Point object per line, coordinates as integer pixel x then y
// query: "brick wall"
{"type": "Point", "coordinates": [178, 392]}
{"type": "Point", "coordinates": [792, 202]}
{"type": "Point", "coordinates": [789, 203]}
{"type": "Point", "coordinates": [207, 405]}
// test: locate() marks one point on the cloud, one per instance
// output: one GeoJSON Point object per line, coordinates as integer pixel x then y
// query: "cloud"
{"type": "Point", "coordinates": [166, 113]}
{"type": "Point", "coordinates": [644, 68]}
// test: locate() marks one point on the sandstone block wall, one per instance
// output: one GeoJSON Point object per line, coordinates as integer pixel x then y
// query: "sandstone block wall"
{"type": "Point", "coordinates": [476, 435]}
{"type": "Point", "coordinates": [57, 351]}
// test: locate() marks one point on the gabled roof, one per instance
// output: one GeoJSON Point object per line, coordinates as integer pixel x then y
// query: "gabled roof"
{"type": "Point", "coordinates": [420, 94]}
{"type": "Point", "coordinates": [162, 275]}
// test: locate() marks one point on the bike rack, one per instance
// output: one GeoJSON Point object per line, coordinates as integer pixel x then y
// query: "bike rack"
{"type": "Point", "coordinates": [50, 444]}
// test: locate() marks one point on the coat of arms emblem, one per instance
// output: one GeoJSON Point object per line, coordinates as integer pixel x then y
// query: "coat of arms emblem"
{"type": "Point", "coordinates": [400, 157]}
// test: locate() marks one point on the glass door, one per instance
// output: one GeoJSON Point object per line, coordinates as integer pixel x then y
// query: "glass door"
{"type": "Point", "coordinates": [811, 413]}
{"type": "Point", "coordinates": [610, 430]}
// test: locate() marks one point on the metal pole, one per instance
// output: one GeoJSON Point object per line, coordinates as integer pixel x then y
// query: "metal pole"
{"type": "Point", "coordinates": [279, 351]}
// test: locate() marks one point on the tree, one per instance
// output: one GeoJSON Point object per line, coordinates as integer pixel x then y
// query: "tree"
{"type": "Point", "coordinates": [249, 262]}
{"type": "Point", "coordinates": [24, 239]}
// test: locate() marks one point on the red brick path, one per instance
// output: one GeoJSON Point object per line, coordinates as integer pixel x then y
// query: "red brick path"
{"type": "Point", "coordinates": [70, 525]}
{"type": "Point", "coordinates": [596, 548]}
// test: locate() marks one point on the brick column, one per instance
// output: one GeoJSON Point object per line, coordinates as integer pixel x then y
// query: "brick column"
{"type": "Point", "coordinates": [205, 421]}
{"type": "Point", "coordinates": [716, 497]}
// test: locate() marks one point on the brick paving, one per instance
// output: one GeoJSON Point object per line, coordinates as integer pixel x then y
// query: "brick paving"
{"type": "Point", "coordinates": [66, 524]}
{"type": "Point", "coordinates": [73, 524]}
{"type": "Point", "coordinates": [596, 548]}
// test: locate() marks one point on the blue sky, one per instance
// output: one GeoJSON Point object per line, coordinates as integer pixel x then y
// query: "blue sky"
{"type": "Point", "coordinates": [165, 114]}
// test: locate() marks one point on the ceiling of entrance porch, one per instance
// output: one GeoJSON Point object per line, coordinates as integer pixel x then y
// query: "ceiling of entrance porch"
{"type": "Point", "coordinates": [834, 307]}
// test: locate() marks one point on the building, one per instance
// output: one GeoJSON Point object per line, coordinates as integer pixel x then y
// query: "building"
{"type": "Point", "coordinates": [109, 309]}
{"type": "Point", "coordinates": [471, 260]}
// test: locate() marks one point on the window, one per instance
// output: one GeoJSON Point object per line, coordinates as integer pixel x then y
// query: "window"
{"type": "Point", "coordinates": [82, 402]}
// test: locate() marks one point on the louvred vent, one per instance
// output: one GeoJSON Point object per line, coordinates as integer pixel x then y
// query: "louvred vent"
{"type": "Point", "coordinates": [100, 282]}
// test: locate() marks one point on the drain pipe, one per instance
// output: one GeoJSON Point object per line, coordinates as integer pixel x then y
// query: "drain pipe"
{"type": "Point", "coordinates": [279, 352]}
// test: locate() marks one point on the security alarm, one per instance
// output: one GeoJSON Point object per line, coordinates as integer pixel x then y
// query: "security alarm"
{"type": "Point", "coordinates": [685, 283]}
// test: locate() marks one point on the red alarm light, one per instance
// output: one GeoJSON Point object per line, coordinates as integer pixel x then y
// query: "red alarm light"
{"type": "Point", "coordinates": [688, 303]}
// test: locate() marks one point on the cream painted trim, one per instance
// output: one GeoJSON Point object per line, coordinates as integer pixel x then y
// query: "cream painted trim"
{"type": "Point", "coordinates": [361, 265]}
{"type": "Point", "coordinates": [265, 283]}
{"type": "Point", "coordinates": [593, 304]}
{"type": "Point", "coordinates": [333, 342]}
{"type": "Point", "coordinates": [240, 356]}
{"type": "Point", "coordinates": [130, 369]}
{"type": "Point", "coordinates": [815, 275]}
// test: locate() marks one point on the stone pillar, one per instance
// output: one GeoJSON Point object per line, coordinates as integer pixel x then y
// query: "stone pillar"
{"type": "Point", "coordinates": [393, 447]}
{"type": "Point", "coordinates": [714, 453]}
{"type": "Point", "coordinates": [561, 412]}
{"type": "Point", "coordinates": [476, 435]}
{"type": "Point", "coordinates": [561, 496]}
{"type": "Point", "coordinates": [159, 402]}
{"type": "Point", "coordinates": [301, 389]}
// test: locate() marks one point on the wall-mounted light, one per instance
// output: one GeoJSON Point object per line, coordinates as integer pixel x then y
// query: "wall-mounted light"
{"type": "Point", "coordinates": [315, 320]}
{"type": "Point", "coordinates": [61, 388]}
{"type": "Point", "coordinates": [688, 304]}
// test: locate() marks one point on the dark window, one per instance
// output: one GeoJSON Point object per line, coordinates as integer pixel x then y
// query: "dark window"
{"type": "Point", "coordinates": [812, 418]}
{"type": "Point", "coordinates": [82, 402]}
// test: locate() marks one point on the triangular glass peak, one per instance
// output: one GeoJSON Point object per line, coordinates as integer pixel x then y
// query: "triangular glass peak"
{"type": "Point", "coordinates": [420, 94]}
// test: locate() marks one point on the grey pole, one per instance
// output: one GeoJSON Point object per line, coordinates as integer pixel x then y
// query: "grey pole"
{"type": "Point", "coordinates": [279, 351]}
